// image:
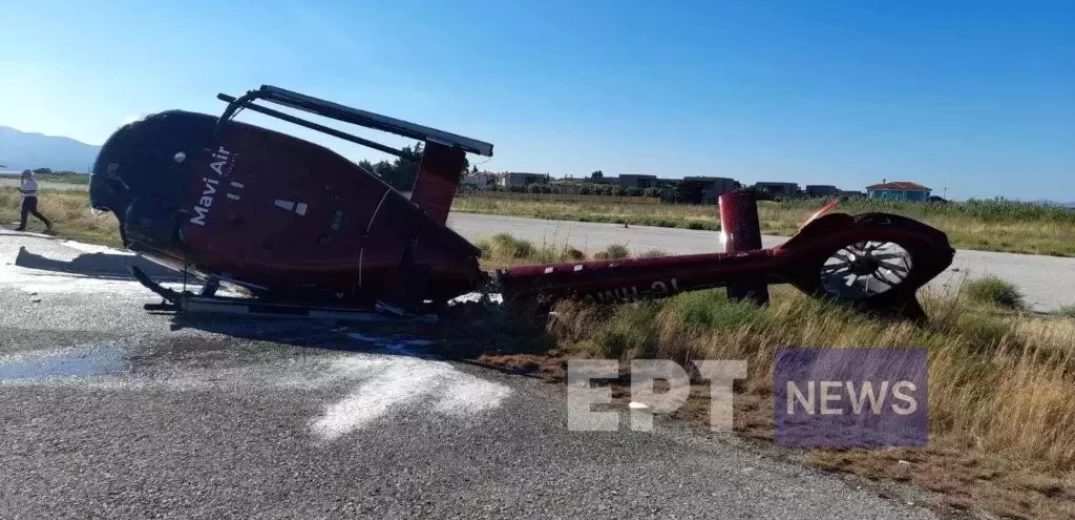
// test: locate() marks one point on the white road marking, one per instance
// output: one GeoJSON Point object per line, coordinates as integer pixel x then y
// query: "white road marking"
{"type": "Point", "coordinates": [286, 204]}
{"type": "Point", "coordinates": [300, 208]}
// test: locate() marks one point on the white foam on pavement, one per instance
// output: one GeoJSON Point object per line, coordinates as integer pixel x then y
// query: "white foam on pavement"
{"type": "Point", "coordinates": [465, 396]}
{"type": "Point", "coordinates": [36, 281]}
{"type": "Point", "coordinates": [46, 282]}
{"type": "Point", "coordinates": [392, 383]}
{"type": "Point", "coordinates": [94, 248]}
{"type": "Point", "coordinates": [476, 297]}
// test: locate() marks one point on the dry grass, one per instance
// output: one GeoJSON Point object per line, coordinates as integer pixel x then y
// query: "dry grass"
{"type": "Point", "coordinates": [1000, 394]}
{"type": "Point", "coordinates": [662, 215]}
{"type": "Point", "coordinates": [1001, 380]}
{"type": "Point", "coordinates": [987, 226]}
{"type": "Point", "coordinates": [504, 250]}
{"type": "Point", "coordinates": [65, 178]}
{"type": "Point", "coordinates": [69, 212]}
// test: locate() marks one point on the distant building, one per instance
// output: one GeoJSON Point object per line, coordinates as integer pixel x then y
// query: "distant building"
{"type": "Point", "coordinates": [598, 177]}
{"type": "Point", "coordinates": [821, 190]}
{"type": "Point", "coordinates": [513, 179]}
{"type": "Point", "coordinates": [900, 190]}
{"type": "Point", "coordinates": [778, 189]}
{"type": "Point", "coordinates": [852, 194]}
{"type": "Point", "coordinates": [479, 179]}
{"type": "Point", "coordinates": [636, 180]}
{"type": "Point", "coordinates": [706, 190]}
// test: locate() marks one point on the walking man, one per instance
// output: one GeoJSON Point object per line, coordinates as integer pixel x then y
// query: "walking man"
{"type": "Point", "coordinates": [29, 201]}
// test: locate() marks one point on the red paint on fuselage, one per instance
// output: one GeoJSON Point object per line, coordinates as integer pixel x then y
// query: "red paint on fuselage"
{"type": "Point", "coordinates": [273, 211]}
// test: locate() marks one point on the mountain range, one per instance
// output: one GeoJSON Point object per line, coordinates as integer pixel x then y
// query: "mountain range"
{"type": "Point", "coordinates": [26, 150]}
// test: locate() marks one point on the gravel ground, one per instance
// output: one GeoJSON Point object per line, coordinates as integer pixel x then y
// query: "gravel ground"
{"type": "Point", "coordinates": [110, 412]}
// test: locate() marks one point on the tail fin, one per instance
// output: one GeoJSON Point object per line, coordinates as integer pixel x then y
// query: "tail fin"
{"type": "Point", "coordinates": [438, 178]}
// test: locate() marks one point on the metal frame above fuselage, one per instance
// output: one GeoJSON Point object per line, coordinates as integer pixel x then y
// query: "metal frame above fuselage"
{"type": "Point", "coordinates": [346, 114]}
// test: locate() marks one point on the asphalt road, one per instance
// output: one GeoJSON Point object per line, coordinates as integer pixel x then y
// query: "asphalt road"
{"type": "Point", "coordinates": [110, 412]}
{"type": "Point", "coordinates": [1048, 282]}
{"type": "Point", "coordinates": [13, 182]}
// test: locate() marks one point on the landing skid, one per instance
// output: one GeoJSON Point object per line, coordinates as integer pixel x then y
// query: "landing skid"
{"type": "Point", "coordinates": [189, 303]}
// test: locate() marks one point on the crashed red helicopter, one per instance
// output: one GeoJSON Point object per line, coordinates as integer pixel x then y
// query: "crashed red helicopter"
{"type": "Point", "coordinates": [305, 230]}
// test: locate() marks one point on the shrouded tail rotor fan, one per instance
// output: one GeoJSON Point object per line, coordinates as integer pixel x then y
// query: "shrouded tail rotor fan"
{"type": "Point", "coordinates": [864, 270]}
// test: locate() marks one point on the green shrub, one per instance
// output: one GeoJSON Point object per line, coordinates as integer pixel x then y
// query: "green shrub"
{"type": "Point", "coordinates": [631, 332]}
{"type": "Point", "coordinates": [983, 332]}
{"type": "Point", "coordinates": [571, 253]}
{"type": "Point", "coordinates": [505, 249]}
{"type": "Point", "coordinates": [1066, 311]}
{"type": "Point", "coordinates": [505, 246]}
{"type": "Point", "coordinates": [712, 310]}
{"type": "Point", "coordinates": [617, 251]}
{"type": "Point", "coordinates": [994, 291]}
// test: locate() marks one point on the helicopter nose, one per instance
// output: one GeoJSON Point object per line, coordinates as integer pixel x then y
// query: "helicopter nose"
{"type": "Point", "coordinates": [106, 194]}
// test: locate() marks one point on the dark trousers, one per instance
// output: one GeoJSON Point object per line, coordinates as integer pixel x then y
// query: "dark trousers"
{"type": "Point", "coordinates": [29, 207]}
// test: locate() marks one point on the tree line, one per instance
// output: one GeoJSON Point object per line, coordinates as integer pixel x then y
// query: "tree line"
{"type": "Point", "coordinates": [401, 172]}
{"type": "Point", "coordinates": [581, 189]}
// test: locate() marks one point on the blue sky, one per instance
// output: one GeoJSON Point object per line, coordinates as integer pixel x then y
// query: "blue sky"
{"type": "Point", "coordinates": [977, 97]}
